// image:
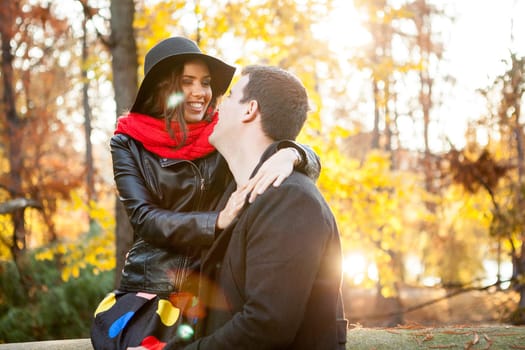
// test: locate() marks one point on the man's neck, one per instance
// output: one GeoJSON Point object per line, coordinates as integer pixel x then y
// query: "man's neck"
{"type": "Point", "coordinates": [243, 160]}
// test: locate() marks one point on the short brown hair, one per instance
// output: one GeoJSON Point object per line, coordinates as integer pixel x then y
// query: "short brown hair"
{"type": "Point", "coordinates": [282, 100]}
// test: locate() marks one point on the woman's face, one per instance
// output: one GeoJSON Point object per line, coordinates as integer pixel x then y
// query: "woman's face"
{"type": "Point", "coordinates": [196, 87]}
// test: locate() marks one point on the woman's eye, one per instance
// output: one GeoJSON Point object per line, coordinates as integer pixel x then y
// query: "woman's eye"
{"type": "Point", "coordinates": [187, 81]}
{"type": "Point", "coordinates": [206, 82]}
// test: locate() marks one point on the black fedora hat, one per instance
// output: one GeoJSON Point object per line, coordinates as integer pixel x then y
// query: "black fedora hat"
{"type": "Point", "coordinates": [176, 50]}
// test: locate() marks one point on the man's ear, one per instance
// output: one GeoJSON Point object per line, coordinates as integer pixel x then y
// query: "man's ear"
{"type": "Point", "coordinates": [251, 112]}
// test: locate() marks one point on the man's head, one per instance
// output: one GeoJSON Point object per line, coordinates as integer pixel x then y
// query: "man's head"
{"type": "Point", "coordinates": [281, 99]}
{"type": "Point", "coordinates": [273, 95]}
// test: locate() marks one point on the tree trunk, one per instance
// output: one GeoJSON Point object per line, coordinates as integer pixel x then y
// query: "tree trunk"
{"type": "Point", "coordinates": [375, 132]}
{"type": "Point", "coordinates": [517, 81]}
{"type": "Point", "coordinates": [13, 127]}
{"type": "Point", "coordinates": [125, 64]}
{"type": "Point", "coordinates": [90, 172]}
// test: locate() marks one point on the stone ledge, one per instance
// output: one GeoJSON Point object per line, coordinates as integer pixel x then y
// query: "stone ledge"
{"type": "Point", "coordinates": [403, 337]}
{"type": "Point", "coordinates": [70, 344]}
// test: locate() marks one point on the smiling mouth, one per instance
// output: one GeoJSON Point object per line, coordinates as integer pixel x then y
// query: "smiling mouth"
{"type": "Point", "coordinates": [196, 106]}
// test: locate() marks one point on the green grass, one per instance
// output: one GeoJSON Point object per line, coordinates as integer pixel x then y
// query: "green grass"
{"type": "Point", "coordinates": [418, 337]}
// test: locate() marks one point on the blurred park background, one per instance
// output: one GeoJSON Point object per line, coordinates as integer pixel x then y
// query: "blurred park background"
{"type": "Point", "coordinates": [416, 113]}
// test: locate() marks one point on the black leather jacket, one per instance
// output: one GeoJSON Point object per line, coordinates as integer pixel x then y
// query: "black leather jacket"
{"type": "Point", "coordinates": [171, 204]}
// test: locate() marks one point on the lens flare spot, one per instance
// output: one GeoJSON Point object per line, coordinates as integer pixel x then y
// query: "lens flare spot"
{"type": "Point", "coordinates": [175, 99]}
{"type": "Point", "coordinates": [185, 331]}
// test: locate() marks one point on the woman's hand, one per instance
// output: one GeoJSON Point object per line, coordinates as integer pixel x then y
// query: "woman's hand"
{"type": "Point", "coordinates": [233, 207]}
{"type": "Point", "coordinates": [273, 171]}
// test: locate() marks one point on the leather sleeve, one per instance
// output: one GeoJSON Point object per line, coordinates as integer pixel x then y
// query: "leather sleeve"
{"type": "Point", "coordinates": [310, 164]}
{"type": "Point", "coordinates": [154, 224]}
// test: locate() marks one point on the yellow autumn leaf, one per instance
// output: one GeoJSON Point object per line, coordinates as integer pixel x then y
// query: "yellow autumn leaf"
{"type": "Point", "coordinates": [46, 254]}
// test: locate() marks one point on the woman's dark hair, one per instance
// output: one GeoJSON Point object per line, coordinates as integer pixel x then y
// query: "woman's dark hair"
{"type": "Point", "coordinates": [158, 103]}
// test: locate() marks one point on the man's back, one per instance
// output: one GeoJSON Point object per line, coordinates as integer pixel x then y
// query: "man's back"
{"type": "Point", "coordinates": [280, 275]}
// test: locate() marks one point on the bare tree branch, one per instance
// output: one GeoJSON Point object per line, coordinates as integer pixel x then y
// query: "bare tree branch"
{"type": "Point", "coordinates": [18, 203]}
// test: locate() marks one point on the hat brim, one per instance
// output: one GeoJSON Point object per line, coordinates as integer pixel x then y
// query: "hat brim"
{"type": "Point", "coordinates": [221, 75]}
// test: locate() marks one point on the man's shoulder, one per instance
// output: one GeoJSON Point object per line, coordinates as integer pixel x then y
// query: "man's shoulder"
{"type": "Point", "coordinates": [301, 182]}
{"type": "Point", "coordinates": [296, 200]}
{"type": "Point", "coordinates": [296, 188]}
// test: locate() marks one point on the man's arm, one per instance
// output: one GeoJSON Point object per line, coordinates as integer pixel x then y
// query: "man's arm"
{"type": "Point", "coordinates": [310, 164]}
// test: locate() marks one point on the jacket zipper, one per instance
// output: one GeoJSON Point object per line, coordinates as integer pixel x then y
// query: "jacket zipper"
{"type": "Point", "coordinates": [202, 187]}
{"type": "Point", "coordinates": [201, 181]}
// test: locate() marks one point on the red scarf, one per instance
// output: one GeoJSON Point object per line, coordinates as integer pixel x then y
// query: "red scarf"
{"type": "Point", "coordinates": [152, 133]}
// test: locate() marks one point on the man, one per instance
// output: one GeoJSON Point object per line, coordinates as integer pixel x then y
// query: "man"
{"type": "Point", "coordinates": [277, 268]}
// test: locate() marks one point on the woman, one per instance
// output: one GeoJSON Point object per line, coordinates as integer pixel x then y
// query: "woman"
{"type": "Point", "coordinates": [170, 179]}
